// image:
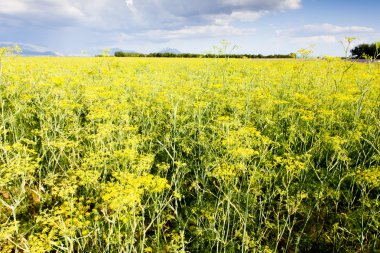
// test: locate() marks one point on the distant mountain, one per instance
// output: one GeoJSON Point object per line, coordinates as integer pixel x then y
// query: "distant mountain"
{"type": "Point", "coordinates": [31, 50]}
{"type": "Point", "coordinates": [170, 50]}
{"type": "Point", "coordinates": [26, 52]}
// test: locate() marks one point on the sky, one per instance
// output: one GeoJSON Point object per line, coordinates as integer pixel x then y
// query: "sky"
{"type": "Point", "coordinates": [74, 27]}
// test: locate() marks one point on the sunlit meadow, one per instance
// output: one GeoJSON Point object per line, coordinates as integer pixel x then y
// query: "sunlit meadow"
{"type": "Point", "coordinates": [189, 155]}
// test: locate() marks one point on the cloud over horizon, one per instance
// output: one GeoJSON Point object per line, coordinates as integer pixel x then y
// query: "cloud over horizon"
{"type": "Point", "coordinates": [72, 25]}
{"type": "Point", "coordinates": [142, 15]}
{"type": "Point", "coordinates": [185, 12]}
{"type": "Point", "coordinates": [323, 33]}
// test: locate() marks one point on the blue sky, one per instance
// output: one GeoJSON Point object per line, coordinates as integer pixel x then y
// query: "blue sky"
{"type": "Point", "coordinates": [255, 26]}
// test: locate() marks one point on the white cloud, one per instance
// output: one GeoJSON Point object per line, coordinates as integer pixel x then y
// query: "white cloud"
{"type": "Point", "coordinates": [169, 19]}
{"type": "Point", "coordinates": [115, 21]}
{"type": "Point", "coordinates": [265, 5]}
{"type": "Point", "coordinates": [248, 16]}
{"type": "Point", "coordinates": [315, 39]}
{"type": "Point", "coordinates": [334, 29]}
{"type": "Point", "coordinates": [323, 29]}
{"type": "Point", "coordinates": [201, 8]}
{"type": "Point", "coordinates": [12, 7]}
{"type": "Point", "coordinates": [63, 13]}
{"type": "Point", "coordinates": [32, 12]}
{"type": "Point", "coordinates": [141, 14]}
{"type": "Point", "coordinates": [197, 32]}
{"type": "Point", "coordinates": [323, 33]}
{"type": "Point", "coordinates": [131, 6]}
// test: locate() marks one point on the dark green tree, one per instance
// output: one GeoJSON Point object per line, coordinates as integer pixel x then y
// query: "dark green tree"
{"type": "Point", "coordinates": [365, 51]}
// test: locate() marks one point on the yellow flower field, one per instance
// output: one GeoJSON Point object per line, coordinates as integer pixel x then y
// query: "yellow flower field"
{"type": "Point", "coordinates": [189, 155]}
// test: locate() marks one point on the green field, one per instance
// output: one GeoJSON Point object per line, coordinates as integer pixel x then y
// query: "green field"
{"type": "Point", "coordinates": [189, 155]}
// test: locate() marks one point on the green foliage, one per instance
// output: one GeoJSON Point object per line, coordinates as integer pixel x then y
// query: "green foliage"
{"type": "Point", "coordinates": [208, 55]}
{"type": "Point", "coordinates": [127, 54]}
{"type": "Point", "coordinates": [304, 53]}
{"type": "Point", "coordinates": [6, 52]}
{"type": "Point", "coordinates": [366, 51]}
{"type": "Point", "coordinates": [189, 155]}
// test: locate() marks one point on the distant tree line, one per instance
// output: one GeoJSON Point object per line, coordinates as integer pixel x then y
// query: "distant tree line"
{"type": "Point", "coordinates": [128, 54]}
{"type": "Point", "coordinates": [190, 55]}
{"type": "Point", "coordinates": [366, 51]}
